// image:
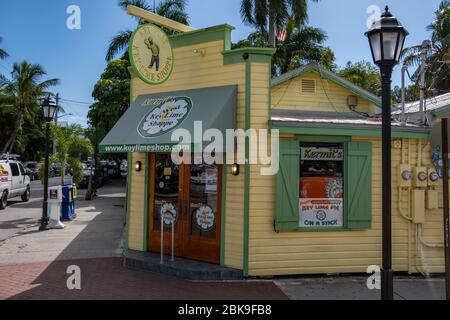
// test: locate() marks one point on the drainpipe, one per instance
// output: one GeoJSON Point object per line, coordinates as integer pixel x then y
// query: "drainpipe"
{"type": "Point", "coordinates": [403, 119]}
{"type": "Point", "coordinates": [423, 57]}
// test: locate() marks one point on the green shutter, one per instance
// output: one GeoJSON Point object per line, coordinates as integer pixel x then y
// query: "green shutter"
{"type": "Point", "coordinates": [359, 185]}
{"type": "Point", "coordinates": [287, 186]}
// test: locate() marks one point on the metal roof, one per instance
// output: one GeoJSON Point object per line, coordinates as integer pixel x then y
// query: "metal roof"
{"type": "Point", "coordinates": [434, 104]}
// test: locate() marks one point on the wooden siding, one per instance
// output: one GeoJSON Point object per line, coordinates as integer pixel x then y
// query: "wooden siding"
{"type": "Point", "coordinates": [328, 97]}
{"type": "Point", "coordinates": [192, 71]}
{"type": "Point", "coordinates": [137, 203]}
{"type": "Point", "coordinates": [344, 251]}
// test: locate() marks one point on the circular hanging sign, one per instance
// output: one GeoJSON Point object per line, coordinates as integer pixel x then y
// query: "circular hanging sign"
{"type": "Point", "coordinates": [168, 214]}
{"type": "Point", "coordinates": [205, 218]}
{"type": "Point", "coordinates": [151, 54]}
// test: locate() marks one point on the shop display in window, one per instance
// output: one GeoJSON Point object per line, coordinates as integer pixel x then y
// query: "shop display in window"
{"type": "Point", "coordinates": [321, 199]}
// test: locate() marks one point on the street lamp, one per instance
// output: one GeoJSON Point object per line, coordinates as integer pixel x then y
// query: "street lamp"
{"type": "Point", "coordinates": [386, 39]}
{"type": "Point", "coordinates": [49, 109]}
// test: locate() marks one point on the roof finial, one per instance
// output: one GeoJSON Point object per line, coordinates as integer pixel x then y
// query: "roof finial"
{"type": "Point", "coordinates": [386, 13]}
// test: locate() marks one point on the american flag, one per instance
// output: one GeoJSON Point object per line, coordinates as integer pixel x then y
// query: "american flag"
{"type": "Point", "coordinates": [281, 36]}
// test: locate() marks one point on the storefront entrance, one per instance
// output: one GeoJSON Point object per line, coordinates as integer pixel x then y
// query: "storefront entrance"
{"type": "Point", "coordinates": [189, 196]}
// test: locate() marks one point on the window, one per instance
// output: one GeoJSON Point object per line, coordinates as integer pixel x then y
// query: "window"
{"type": "Point", "coordinates": [14, 169]}
{"type": "Point", "coordinates": [22, 172]}
{"type": "Point", "coordinates": [321, 196]}
{"type": "Point", "coordinates": [324, 185]}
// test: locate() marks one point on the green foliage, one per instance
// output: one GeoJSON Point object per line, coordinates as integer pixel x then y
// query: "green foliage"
{"type": "Point", "coordinates": [72, 144]}
{"type": "Point", "coordinates": [21, 95]}
{"type": "Point", "coordinates": [112, 96]}
{"type": "Point", "coordinates": [412, 93]}
{"type": "Point", "coordinates": [171, 9]}
{"type": "Point", "coordinates": [3, 53]}
{"type": "Point", "coordinates": [438, 72]}
{"type": "Point", "coordinates": [302, 45]}
{"type": "Point", "coordinates": [77, 170]}
{"type": "Point", "coordinates": [268, 16]}
{"type": "Point", "coordinates": [363, 74]}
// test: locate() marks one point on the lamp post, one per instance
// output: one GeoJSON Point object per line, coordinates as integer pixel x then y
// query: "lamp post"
{"type": "Point", "coordinates": [386, 39]}
{"type": "Point", "coordinates": [49, 109]}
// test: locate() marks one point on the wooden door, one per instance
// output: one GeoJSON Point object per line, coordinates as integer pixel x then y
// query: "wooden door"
{"type": "Point", "coordinates": [189, 195]}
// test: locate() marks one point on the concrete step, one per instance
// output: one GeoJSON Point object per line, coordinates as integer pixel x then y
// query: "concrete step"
{"type": "Point", "coordinates": [180, 268]}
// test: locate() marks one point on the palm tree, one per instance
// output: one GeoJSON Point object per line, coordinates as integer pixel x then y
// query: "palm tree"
{"type": "Point", "coordinates": [302, 45]}
{"type": "Point", "coordinates": [3, 53]}
{"type": "Point", "coordinates": [23, 91]}
{"type": "Point", "coordinates": [171, 9]}
{"type": "Point", "coordinates": [72, 143]}
{"type": "Point", "coordinates": [273, 14]}
{"type": "Point", "coordinates": [437, 75]}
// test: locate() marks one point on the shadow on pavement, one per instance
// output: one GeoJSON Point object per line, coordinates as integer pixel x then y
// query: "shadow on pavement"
{"type": "Point", "coordinates": [95, 251]}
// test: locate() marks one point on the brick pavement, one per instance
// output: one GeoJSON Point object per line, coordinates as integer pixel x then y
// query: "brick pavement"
{"type": "Point", "coordinates": [107, 279]}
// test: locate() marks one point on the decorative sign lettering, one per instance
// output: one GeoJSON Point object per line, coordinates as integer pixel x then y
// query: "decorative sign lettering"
{"type": "Point", "coordinates": [205, 218]}
{"type": "Point", "coordinates": [151, 54]}
{"type": "Point", "coordinates": [321, 213]}
{"type": "Point", "coordinates": [321, 154]}
{"type": "Point", "coordinates": [168, 213]}
{"type": "Point", "coordinates": [165, 117]}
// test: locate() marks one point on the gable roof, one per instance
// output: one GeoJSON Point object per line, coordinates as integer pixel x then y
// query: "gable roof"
{"type": "Point", "coordinates": [327, 74]}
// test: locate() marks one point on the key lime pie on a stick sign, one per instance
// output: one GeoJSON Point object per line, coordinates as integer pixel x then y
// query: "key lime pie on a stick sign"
{"type": "Point", "coordinates": [151, 54]}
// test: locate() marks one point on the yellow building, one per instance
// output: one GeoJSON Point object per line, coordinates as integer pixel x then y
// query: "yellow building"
{"type": "Point", "coordinates": [319, 214]}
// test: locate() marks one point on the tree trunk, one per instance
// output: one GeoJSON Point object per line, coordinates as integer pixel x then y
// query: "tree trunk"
{"type": "Point", "coordinates": [89, 192]}
{"type": "Point", "coordinates": [272, 30]}
{"type": "Point", "coordinates": [12, 139]}
{"type": "Point", "coordinates": [63, 173]}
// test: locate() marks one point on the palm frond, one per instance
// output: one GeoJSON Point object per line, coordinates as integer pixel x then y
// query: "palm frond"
{"type": "Point", "coordinates": [3, 53]}
{"type": "Point", "coordinates": [143, 4]}
{"type": "Point", "coordinates": [118, 44]}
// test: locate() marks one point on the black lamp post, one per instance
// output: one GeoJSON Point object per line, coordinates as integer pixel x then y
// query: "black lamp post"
{"type": "Point", "coordinates": [49, 110]}
{"type": "Point", "coordinates": [386, 39]}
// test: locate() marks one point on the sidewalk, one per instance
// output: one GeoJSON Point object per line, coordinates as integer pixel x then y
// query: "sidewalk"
{"type": "Point", "coordinates": [97, 232]}
{"type": "Point", "coordinates": [33, 265]}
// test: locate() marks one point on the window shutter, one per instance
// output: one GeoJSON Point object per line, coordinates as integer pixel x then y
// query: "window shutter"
{"type": "Point", "coordinates": [359, 185]}
{"type": "Point", "coordinates": [287, 186]}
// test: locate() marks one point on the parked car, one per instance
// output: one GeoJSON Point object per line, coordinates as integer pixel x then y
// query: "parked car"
{"type": "Point", "coordinates": [124, 168]}
{"type": "Point", "coordinates": [13, 181]}
{"type": "Point", "coordinates": [32, 169]}
{"type": "Point", "coordinates": [84, 184]}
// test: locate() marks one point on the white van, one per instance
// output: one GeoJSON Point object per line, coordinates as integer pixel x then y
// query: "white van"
{"type": "Point", "coordinates": [13, 181]}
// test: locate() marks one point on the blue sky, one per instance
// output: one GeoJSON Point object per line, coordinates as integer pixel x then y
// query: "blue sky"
{"type": "Point", "coordinates": [36, 31]}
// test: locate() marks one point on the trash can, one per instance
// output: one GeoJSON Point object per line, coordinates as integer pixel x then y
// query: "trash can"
{"type": "Point", "coordinates": [68, 202]}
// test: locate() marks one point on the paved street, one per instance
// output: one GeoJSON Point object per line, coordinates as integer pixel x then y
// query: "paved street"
{"type": "Point", "coordinates": [19, 216]}
{"type": "Point", "coordinates": [33, 264]}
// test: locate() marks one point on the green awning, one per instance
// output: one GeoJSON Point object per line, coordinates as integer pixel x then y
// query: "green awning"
{"type": "Point", "coordinates": [148, 124]}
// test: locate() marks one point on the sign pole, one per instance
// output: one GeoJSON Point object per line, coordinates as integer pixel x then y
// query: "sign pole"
{"type": "Point", "coordinates": [445, 157]}
{"type": "Point", "coordinates": [162, 239]}
{"type": "Point", "coordinates": [173, 240]}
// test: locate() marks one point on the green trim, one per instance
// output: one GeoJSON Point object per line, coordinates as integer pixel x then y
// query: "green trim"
{"type": "Point", "coordinates": [146, 203]}
{"type": "Point", "coordinates": [132, 72]}
{"type": "Point", "coordinates": [324, 139]}
{"type": "Point", "coordinates": [221, 32]}
{"type": "Point", "coordinates": [247, 168]}
{"type": "Point", "coordinates": [133, 64]}
{"type": "Point", "coordinates": [315, 67]}
{"type": "Point", "coordinates": [443, 112]}
{"type": "Point", "coordinates": [338, 130]}
{"type": "Point", "coordinates": [127, 203]}
{"type": "Point", "coordinates": [254, 55]}
{"type": "Point", "coordinates": [132, 148]}
{"type": "Point", "coordinates": [223, 213]}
